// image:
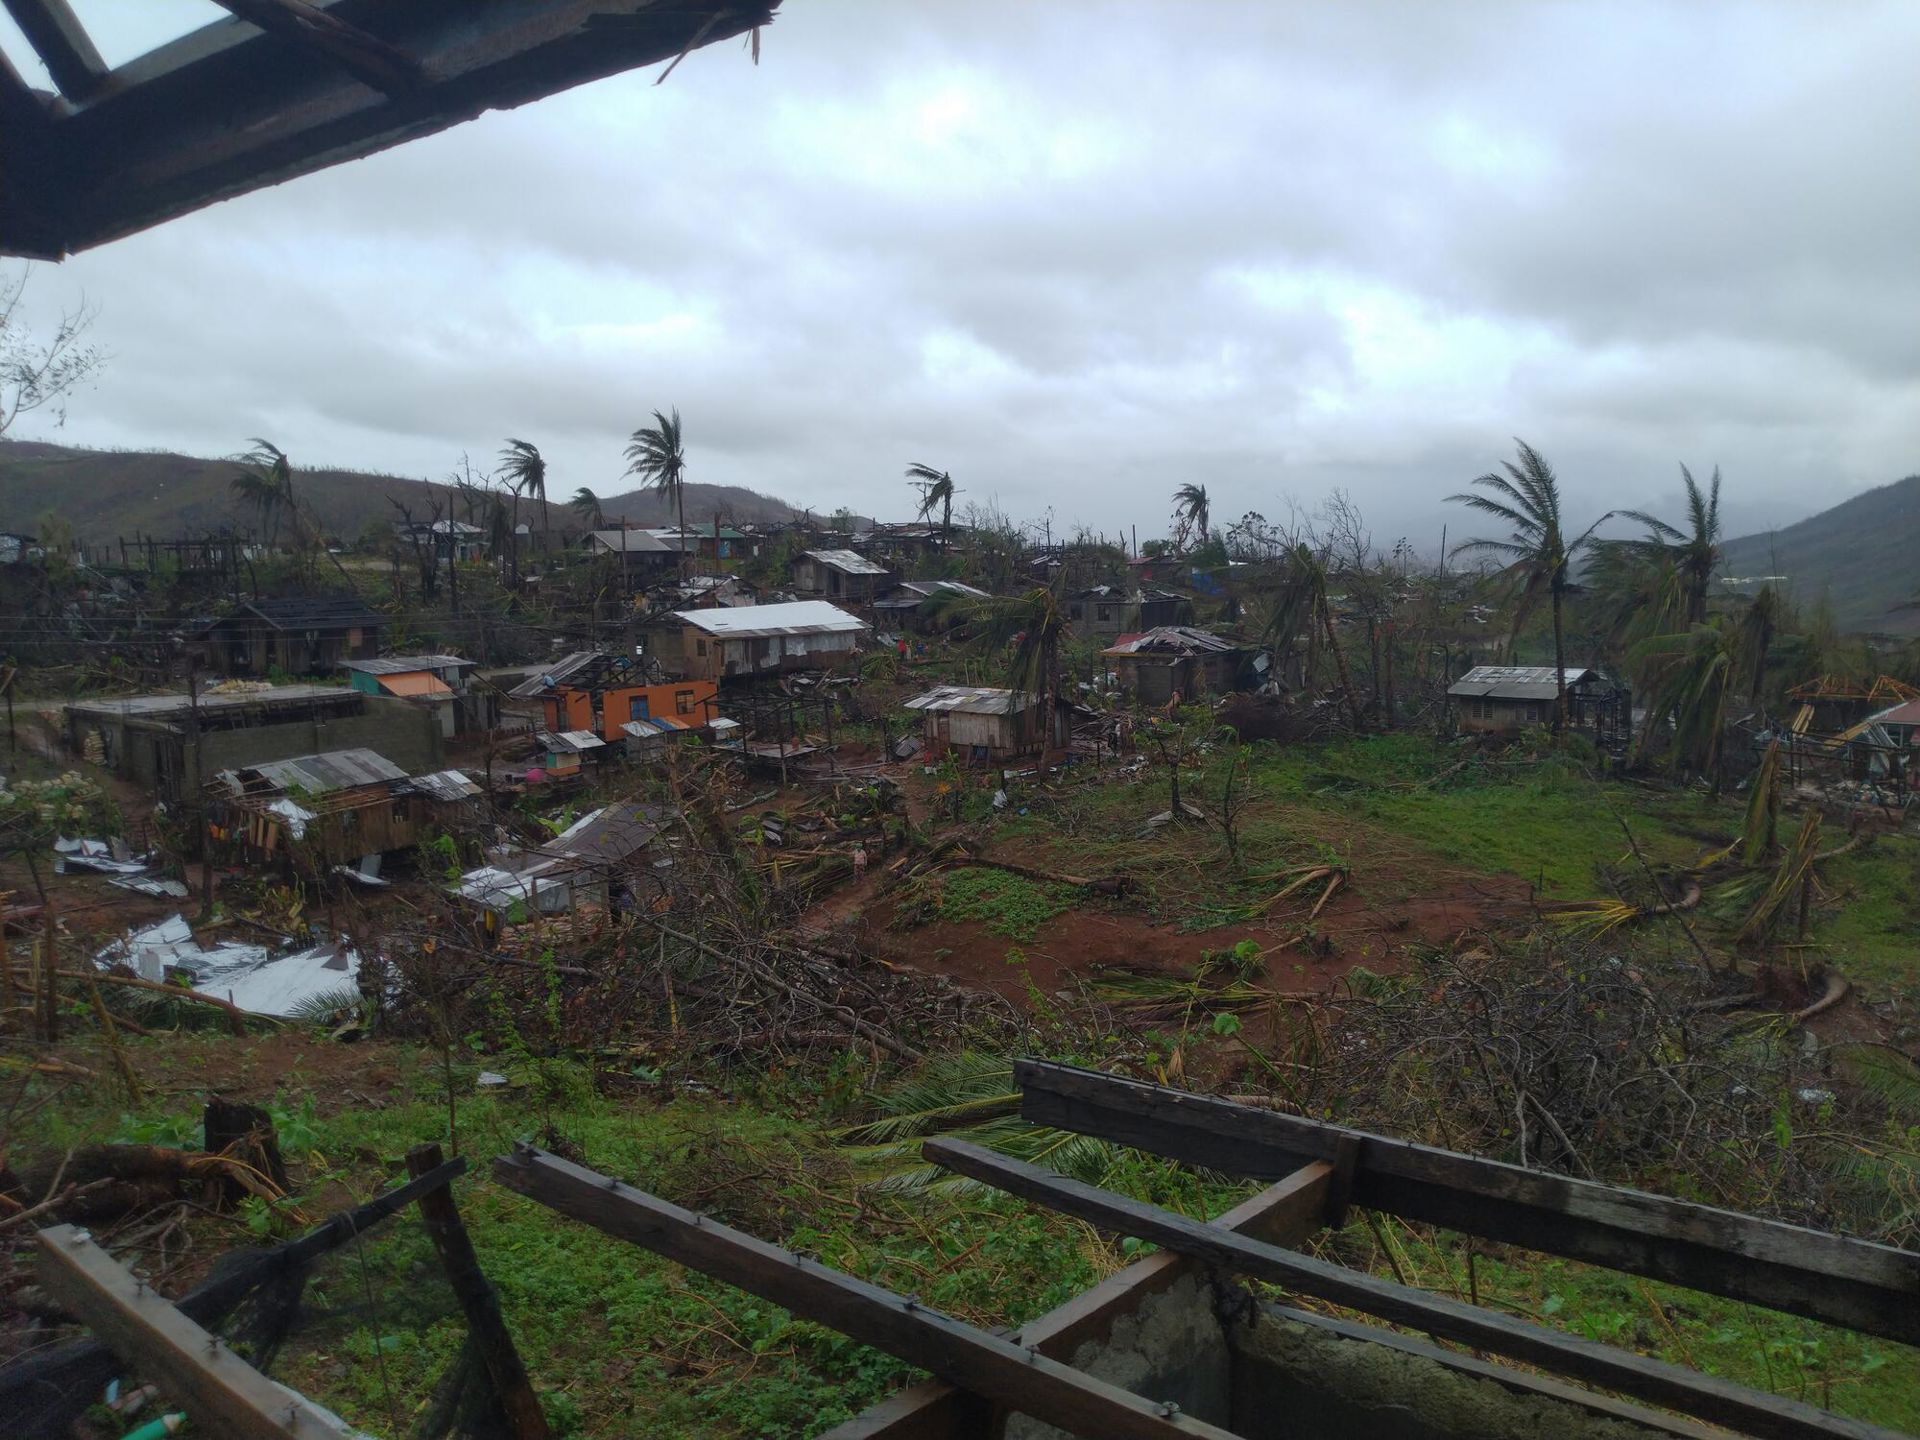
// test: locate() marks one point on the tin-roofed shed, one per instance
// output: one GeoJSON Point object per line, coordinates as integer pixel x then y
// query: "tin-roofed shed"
{"type": "Point", "coordinates": [983, 724]}
{"type": "Point", "coordinates": [1502, 699]}
{"type": "Point", "coordinates": [843, 575]}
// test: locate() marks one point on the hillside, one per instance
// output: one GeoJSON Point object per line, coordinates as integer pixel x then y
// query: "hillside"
{"type": "Point", "coordinates": [1861, 552]}
{"type": "Point", "coordinates": [104, 494]}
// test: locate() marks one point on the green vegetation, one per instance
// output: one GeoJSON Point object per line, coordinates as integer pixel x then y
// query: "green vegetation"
{"type": "Point", "coordinates": [1006, 904]}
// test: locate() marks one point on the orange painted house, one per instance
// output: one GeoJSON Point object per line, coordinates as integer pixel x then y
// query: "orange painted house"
{"type": "Point", "coordinates": [603, 712]}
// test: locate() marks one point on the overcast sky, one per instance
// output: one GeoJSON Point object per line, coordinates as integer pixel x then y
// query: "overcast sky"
{"type": "Point", "coordinates": [1081, 253]}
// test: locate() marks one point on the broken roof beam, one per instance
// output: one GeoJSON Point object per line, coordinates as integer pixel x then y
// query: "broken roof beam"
{"type": "Point", "coordinates": [1705, 1397]}
{"type": "Point", "coordinates": [63, 45]}
{"type": "Point", "coordinates": [231, 108]}
{"type": "Point", "coordinates": [220, 1391]}
{"type": "Point", "coordinates": [1831, 1278]}
{"type": "Point", "coordinates": [1025, 1380]}
{"type": "Point", "coordinates": [367, 58]}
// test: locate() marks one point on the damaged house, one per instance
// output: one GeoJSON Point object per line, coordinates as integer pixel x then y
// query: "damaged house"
{"type": "Point", "coordinates": [172, 744]}
{"type": "Point", "coordinates": [728, 643]}
{"type": "Point", "coordinates": [440, 684]}
{"type": "Point", "coordinates": [601, 693]}
{"type": "Point", "coordinates": [596, 860]}
{"type": "Point", "coordinates": [292, 634]}
{"type": "Point", "coordinates": [1173, 662]}
{"type": "Point", "coordinates": [981, 724]}
{"type": "Point", "coordinates": [905, 606]}
{"type": "Point", "coordinates": [843, 575]}
{"type": "Point", "coordinates": [1106, 612]}
{"type": "Point", "coordinates": [1504, 699]}
{"type": "Point", "coordinates": [329, 809]}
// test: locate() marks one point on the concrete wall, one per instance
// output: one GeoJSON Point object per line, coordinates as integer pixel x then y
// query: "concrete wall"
{"type": "Point", "coordinates": [1331, 1388]}
{"type": "Point", "coordinates": [406, 734]}
{"type": "Point", "coordinates": [1171, 1348]}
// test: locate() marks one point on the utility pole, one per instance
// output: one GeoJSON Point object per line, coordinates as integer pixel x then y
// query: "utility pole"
{"type": "Point", "coordinates": [199, 808]}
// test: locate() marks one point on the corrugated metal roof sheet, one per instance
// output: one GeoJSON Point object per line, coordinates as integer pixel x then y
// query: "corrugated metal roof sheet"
{"type": "Point", "coordinates": [909, 593]}
{"type": "Point", "coordinates": [848, 562]}
{"type": "Point", "coordinates": [563, 670]}
{"type": "Point", "coordinates": [970, 700]}
{"type": "Point", "coordinates": [633, 542]}
{"type": "Point", "coordinates": [408, 664]}
{"type": "Point", "coordinates": [751, 622]}
{"type": "Point", "coordinates": [173, 705]}
{"type": "Point", "coordinates": [1175, 640]}
{"type": "Point", "coordinates": [569, 740]}
{"type": "Point", "coordinates": [1514, 682]}
{"type": "Point", "coordinates": [654, 726]}
{"type": "Point", "coordinates": [319, 774]}
{"type": "Point", "coordinates": [447, 785]}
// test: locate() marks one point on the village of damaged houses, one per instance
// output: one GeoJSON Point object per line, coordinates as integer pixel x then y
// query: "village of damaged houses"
{"type": "Point", "coordinates": [679, 801]}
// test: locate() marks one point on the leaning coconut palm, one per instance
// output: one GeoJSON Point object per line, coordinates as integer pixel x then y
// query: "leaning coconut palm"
{"type": "Point", "coordinates": [1759, 623]}
{"type": "Point", "coordinates": [586, 505]}
{"type": "Point", "coordinates": [1538, 554]}
{"type": "Point", "coordinates": [1297, 607]}
{"type": "Point", "coordinates": [267, 485]}
{"type": "Point", "coordinates": [1694, 552]}
{"type": "Point", "coordinates": [657, 456]}
{"type": "Point", "coordinates": [1192, 515]}
{"type": "Point", "coordinates": [936, 492]}
{"type": "Point", "coordinates": [1691, 675]}
{"type": "Point", "coordinates": [525, 469]}
{"type": "Point", "coordinates": [1030, 628]}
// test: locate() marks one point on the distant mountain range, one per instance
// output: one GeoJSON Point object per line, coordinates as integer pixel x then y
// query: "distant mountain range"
{"type": "Point", "coordinates": [1864, 554]}
{"type": "Point", "coordinates": [107, 494]}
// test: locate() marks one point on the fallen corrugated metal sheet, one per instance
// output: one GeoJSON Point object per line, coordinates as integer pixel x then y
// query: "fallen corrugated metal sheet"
{"type": "Point", "coordinates": [448, 785]}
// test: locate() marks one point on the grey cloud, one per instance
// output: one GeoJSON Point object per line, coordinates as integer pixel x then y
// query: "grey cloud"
{"type": "Point", "coordinates": [1017, 240]}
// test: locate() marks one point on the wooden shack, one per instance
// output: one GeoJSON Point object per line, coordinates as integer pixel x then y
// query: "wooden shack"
{"type": "Point", "coordinates": [318, 811]}
{"type": "Point", "coordinates": [742, 641]}
{"type": "Point", "coordinates": [1178, 662]}
{"type": "Point", "coordinates": [843, 575]}
{"type": "Point", "coordinates": [981, 724]}
{"type": "Point", "coordinates": [292, 634]}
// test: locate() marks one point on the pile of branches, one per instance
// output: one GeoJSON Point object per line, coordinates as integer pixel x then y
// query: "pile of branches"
{"type": "Point", "coordinates": [1572, 1059]}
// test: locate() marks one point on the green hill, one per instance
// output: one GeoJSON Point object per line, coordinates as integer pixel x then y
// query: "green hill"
{"type": "Point", "coordinates": [106, 494]}
{"type": "Point", "coordinates": [1861, 553]}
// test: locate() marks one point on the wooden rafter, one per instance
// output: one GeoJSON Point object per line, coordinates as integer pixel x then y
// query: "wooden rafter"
{"type": "Point", "coordinates": [1841, 1281]}
{"type": "Point", "coordinates": [62, 43]}
{"type": "Point", "coordinates": [221, 1392]}
{"type": "Point", "coordinates": [1024, 1379]}
{"type": "Point", "coordinates": [300, 85]}
{"type": "Point", "coordinates": [367, 58]}
{"type": "Point", "coordinates": [1704, 1396]}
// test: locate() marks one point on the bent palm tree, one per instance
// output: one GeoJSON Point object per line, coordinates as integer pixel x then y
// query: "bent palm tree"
{"type": "Point", "coordinates": [936, 489]}
{"type": "Point", "coordinates": [657, 456]}
{"type": "Point", "coordinates": [586, 505]}
{"type": "Point", "coordinates": [1691, 676]}
{"type": "Point", "coordinates": [1538, 553]}
{"type": "Point", "coordinates": [267, 485]}
{"type": "Point", "coordinates": [1030, 627]}
{"type": "Point", "coordinates": [525, 469]}
{"type": "Point", "coordinates": [1192, 512]}
{"type": "Point", "coordinates": [1694, 552]}
{"type": "Point", "coordinates": [1297, 606]}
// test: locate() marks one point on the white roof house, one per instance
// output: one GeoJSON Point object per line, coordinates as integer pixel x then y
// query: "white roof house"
{"type": "Point", "coordinates": [759, 622]}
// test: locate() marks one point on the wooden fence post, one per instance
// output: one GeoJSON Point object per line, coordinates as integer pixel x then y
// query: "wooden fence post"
{"type": "Point", "coordinates": [525, 1418]}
